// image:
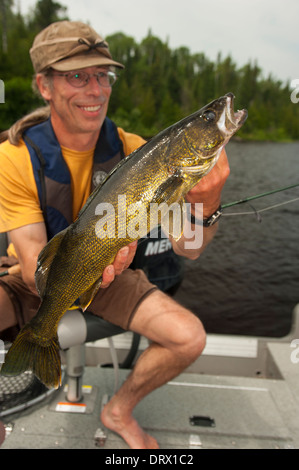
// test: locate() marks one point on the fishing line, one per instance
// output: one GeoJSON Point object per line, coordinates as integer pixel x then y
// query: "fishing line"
{"type": "Point", "coordinates": [241, 201]}
{"type": "Point", "coordinates": [257, 196]}
{"type": "Point", "coordinates": [261, 210]}
{"type": "Point", "coordinates": [251, 198]}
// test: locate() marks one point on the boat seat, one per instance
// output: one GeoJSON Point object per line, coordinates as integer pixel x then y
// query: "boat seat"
{"type": "Point", "coordinates": [75, 329]}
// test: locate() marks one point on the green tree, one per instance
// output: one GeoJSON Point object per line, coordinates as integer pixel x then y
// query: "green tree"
{"type": "Point", "coordinates": [226, 76]}
{"type": "Point", "coordinates": [5, 7]}
{"type": "Point", "coordinates": [158, 86]}
{"type": "Point", "coordinates": [47, 12]}
{"type": "Point", "coordinates": [19, 100]}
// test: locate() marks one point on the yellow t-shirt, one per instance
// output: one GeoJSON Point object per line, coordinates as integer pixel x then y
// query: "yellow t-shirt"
{"type": "Point", "coordinates": [19, 201]}
{"type": "Point", "coordinates": [80, 168]}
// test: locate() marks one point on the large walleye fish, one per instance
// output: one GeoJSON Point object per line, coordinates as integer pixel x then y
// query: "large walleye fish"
{"type": "Point", "coordinates": [70, 266]}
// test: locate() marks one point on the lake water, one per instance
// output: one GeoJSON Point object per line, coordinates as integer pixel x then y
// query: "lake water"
{"type": "Point", "coordinates": [247, 280]}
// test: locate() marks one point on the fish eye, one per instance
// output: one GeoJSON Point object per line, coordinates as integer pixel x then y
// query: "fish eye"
{"type": "Point", "coordinates": [209, 115]}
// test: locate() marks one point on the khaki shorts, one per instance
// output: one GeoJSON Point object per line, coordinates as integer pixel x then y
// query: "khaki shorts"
{"type": "Point", "coordinates": [116, 304]}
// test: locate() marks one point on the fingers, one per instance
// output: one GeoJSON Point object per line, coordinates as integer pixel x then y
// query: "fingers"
{"type": "Point", "coordinates": [108, 276]}
{"type": "Point", "coordinates": [132, 252]}
{"type": "Point", "coordinates": [122, 261]}
{"type": "Point", "coordinates": [124, 257]}
{"type": "Point", "coordinates": [15, 269]}
{"type": "Point", "coordinates": [208, 190]}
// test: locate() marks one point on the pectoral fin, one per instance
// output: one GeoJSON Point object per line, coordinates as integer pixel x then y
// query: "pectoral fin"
{"type": "Point", "coordinates": [169, 190]}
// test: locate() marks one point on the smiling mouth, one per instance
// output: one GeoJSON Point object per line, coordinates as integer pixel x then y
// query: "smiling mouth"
{"type": "Point", "coordinates": [92, 109]}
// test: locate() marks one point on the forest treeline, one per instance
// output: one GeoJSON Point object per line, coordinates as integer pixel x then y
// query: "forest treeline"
{"type": "Point", "coordinates": [158, 86]}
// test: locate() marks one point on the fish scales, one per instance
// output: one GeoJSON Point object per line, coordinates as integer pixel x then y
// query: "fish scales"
{"type": "Point", "coordinates": [70, 267]}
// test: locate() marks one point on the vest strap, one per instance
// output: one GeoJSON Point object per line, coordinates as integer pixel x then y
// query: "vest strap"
{"type": "Point", "coordinates": [41, 174]}
{"type": "Point", "coordinates": [52, 174]}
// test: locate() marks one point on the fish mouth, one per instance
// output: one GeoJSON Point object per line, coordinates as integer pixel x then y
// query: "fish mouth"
{"type": "Point", "coordinates": [230, 121]}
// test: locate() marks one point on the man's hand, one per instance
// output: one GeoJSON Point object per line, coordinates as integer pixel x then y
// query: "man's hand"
{"type": "Point", "coordinates": [122, 261]}
{"type": "Point", "coordinates": [208, 190]}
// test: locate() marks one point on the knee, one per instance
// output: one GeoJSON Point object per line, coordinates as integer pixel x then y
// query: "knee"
{"type": "Point", "coordinates": [191, 338]}
{"type": "Point", "coordinates": [195, 340]}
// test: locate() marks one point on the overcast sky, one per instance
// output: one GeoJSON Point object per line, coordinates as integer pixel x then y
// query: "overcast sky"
{"type": "Point", "coordinates": [263, 30]}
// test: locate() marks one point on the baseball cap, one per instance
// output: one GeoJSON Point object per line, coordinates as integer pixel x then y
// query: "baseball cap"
{"type": "Point", "coordinates": [69, 45]}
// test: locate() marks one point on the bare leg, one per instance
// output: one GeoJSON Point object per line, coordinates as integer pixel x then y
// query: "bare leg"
{"type": "Point", "coordinates": [178, 339]}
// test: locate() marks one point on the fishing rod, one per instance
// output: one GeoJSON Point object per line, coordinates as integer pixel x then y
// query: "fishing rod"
{"type": "Point", "coordinates": [250, 198]}
{"type": "Point", "coordinates": [257, 196]}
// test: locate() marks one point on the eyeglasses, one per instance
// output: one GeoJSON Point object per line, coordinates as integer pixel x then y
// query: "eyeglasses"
{"type": "Point", "coordinates": [81, 79]}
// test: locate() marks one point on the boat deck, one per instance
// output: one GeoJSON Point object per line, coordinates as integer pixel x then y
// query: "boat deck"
{"type": "Point", "coordinates": [194, 411]}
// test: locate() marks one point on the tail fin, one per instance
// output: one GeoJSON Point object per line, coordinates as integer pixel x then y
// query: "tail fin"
{"type": "Point", "coordinates": [27, 354]}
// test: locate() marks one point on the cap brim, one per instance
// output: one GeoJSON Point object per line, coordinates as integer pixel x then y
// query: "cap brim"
{"type": "Point", "coordinates": [83, 61]}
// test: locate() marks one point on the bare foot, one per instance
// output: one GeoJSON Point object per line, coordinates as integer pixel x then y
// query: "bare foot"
{"type": "Point", "coordinates": [127, 428]}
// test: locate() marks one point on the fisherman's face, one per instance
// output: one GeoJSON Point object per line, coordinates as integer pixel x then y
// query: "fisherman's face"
{"type": "Point", "coordinates": [77, 111]}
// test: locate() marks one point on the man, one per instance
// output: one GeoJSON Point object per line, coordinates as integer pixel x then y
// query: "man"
{"type": "Point", "coordinates": [74, 75]}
